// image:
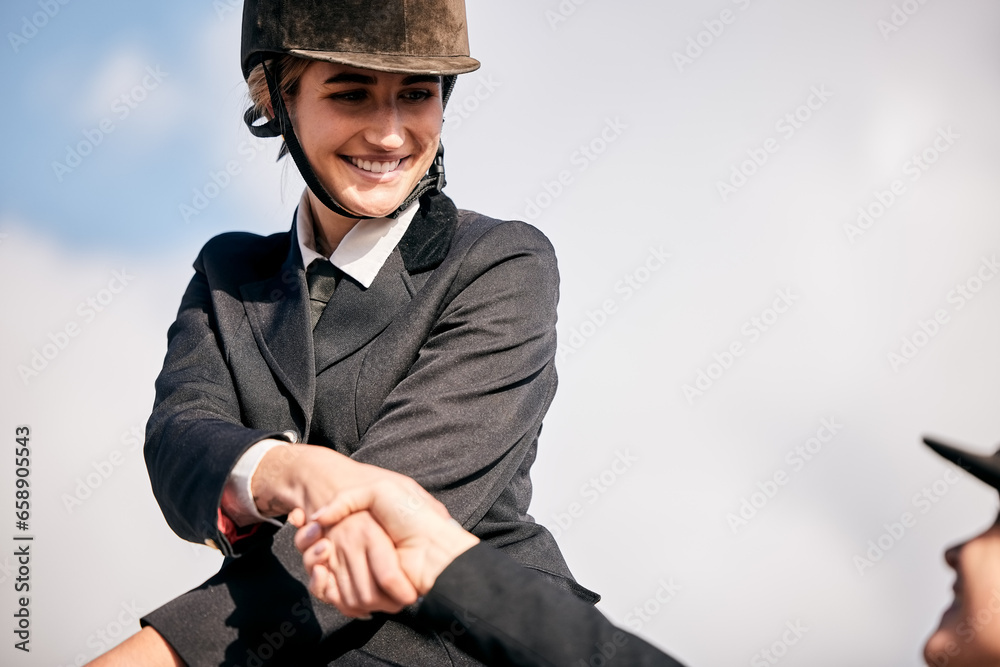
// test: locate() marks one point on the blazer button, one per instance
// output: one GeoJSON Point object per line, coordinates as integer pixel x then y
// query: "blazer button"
{"type": "Point", "coordinates": [292, 436]}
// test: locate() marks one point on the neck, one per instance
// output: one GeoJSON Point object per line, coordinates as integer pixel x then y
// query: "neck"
{"type": "Point", "coordinates": [330, 227]}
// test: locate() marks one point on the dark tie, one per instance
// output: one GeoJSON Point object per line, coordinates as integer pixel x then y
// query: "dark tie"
{"type": "Point", "coordinates": [322, 277]}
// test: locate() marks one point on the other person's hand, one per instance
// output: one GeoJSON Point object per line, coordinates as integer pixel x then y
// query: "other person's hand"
{"type": "Point", "coordinates": [426, 539]}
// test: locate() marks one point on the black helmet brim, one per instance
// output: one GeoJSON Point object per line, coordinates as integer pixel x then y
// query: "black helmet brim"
{"type": "Point", "coordinates": [982, 466]}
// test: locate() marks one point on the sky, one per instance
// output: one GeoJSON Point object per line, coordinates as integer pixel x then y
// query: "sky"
{"type": "Point", "coordinates": [776, 224]}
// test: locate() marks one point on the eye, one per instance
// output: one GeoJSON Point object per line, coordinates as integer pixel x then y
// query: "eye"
{"type": "Point", "coordinates": [417, 95]}
{"type": "Point", "coordinates": [350, 96]}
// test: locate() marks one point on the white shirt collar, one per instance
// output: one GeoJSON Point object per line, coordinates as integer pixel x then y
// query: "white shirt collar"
{"type": "Point", "coordinates": [363, 250]}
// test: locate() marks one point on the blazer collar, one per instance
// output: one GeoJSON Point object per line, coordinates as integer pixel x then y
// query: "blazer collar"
{"type": "Point", "coordinates": [428, 239]}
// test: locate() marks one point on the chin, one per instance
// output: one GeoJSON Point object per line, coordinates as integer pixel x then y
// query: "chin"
{"type": "Point", "coordinates": [960, 642]}
{"type": "Point", "coordinates": [374, 207]}
{"type": "Point", "coordinates": [372, 211]}
{"type": "Point", "coordinates": [941, 649]}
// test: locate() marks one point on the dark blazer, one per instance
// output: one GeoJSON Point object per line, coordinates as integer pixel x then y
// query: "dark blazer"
{"type": "Point", "coordinates": [442, 369]}
{"type": "Point", "coordinates": [505, 614]}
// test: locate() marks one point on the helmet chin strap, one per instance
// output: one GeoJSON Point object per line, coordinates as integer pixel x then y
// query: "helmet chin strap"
{"type": "Point", "coordinates": [281, 125]}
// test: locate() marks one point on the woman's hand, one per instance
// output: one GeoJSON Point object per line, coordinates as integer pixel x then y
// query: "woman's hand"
{"type": "Point", "coordinates": [305, 476]}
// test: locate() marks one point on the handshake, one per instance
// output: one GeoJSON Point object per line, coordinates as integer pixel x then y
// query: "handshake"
{"type": "Point", "coordinates": [379, 544]}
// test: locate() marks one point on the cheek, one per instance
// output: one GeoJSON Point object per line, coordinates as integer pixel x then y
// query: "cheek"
{"type": "Point", "coordinates": [425, 125]}
{"type": "Point", "coordinates": [980, 567]}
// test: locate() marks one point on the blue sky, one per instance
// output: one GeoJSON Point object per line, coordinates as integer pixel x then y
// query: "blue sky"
{"type": "Point", "coordinates": [88, 70]}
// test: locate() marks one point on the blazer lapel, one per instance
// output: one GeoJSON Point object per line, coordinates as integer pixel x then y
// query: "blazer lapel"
{"type": "Point", "coordinates": [356, 315]}
{"type": "Point", "coordinates": [278, 306]}
{"type": "Point", "coordinates": [278, 310]}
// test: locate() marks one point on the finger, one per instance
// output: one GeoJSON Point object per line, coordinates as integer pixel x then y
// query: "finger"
{"type": "Point", "coordinates": [323, 586]}
{"type": "Point", "coordinates": [307, 535]}
{"type": "Point", "coordinates": [363, 537]}
{"type": "Point", "coordinates": [392, 582]}
{"type": "Point", "coordinates": [342, 574]}
{"type": "Point", "coordinates": [319, 554]}
{"type": "Point", "coordinates": [363, 589]}
{"type": "Point", "coordinates": [297, 517]}
{"type": "Point", "coordinates": [346, 503]}
{"type": "Point", "coordinates": [320, 585]}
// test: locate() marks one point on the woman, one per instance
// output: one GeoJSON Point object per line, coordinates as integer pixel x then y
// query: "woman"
{"type": "Point", "coordinates": [420, 339]}
{"type": "Point", "coordinates": [969, 631]}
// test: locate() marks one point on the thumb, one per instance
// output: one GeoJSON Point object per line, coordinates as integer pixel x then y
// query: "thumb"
{"type": "Point", "coordinates": [345, 504]}
{"type": "Point", "coordinates": [297, 517]}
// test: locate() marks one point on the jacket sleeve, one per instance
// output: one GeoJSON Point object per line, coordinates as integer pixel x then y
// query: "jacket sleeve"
{"type": "Point", "coordinates": [504, 614]}
{"type": "Point", "coordinates": [470, 407]}
{"type": "Point", "coordinates": [196, 416]}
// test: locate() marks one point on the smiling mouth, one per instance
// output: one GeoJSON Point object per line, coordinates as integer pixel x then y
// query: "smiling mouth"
{"type": "Point", "coordinates": [375, 167]}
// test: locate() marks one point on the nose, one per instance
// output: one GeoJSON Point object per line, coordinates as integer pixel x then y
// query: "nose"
{"type": "Point", "coordinates": [386, 127]}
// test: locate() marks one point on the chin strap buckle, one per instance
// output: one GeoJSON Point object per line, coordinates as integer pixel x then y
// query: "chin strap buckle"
{"type": "Point", "coordinates": [437, 170]}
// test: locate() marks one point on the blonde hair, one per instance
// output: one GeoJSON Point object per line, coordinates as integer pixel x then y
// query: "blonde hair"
{"type": "Point", "coordinates": [291, 69]}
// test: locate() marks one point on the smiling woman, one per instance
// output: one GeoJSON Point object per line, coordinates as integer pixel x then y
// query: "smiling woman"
{"type": "Point", "coordinates": [386, 326]}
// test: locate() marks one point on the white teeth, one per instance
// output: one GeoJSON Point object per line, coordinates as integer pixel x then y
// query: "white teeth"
{"type": "Point", "coordinates": [375, 167]}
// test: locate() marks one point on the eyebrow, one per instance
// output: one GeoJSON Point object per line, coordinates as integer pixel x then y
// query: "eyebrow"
{"type": "Point", "coordinates": [364, 79]}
